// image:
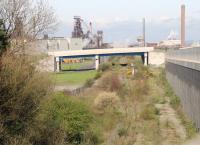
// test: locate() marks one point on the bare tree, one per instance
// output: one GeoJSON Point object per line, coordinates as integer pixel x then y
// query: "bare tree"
{"type": "Point", "coordinates": [27, 19]}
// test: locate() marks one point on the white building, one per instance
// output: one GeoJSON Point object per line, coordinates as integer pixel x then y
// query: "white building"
{"type": "Point", "coordinates": [171, 41]}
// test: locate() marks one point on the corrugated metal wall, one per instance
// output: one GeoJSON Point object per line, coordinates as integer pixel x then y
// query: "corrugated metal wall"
{"type": "Point", "coordinates": [185, 81]}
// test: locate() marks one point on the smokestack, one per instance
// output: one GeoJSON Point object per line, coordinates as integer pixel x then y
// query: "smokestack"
{"type": "Point", "coordinates": [144, 32]}
{"type": "Point", "coordinates": [182, 26]}
{"type": "Point", "coordinates": [91, 27]}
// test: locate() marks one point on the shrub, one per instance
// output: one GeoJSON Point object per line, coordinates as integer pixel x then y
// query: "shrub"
{"type": "Point", "coordinates": [89, 83]}
{"type": "Point", "coordinates": [17, 141]}
{"type": "Point", "coordinates": [159, 100]}
{"type": "Point", "coordinates": [149, 112]}
{"type": "Point", "coordinates": [113, 63]}
{"type": "Point", "coordinates": [70, 118]}
{"type": "Point", "coordinates": [104, 67]}
{"type": "Point", "coordinates": [143, 72]}
{"type": "Point", "coordinates": [122, 132]}
{"type": "Point", "coordinates": [129, 73]}
{"type": "Point", "coordinates": [161, 79]}
{"type": "Point", "coordinates": [98, 75]}
{"type": "Point", "coordinates": [93, 137]}
{"type": "Point", "coordinates": [3, 38]}
{"type": "Point", "coordinates": [175, 101]}
{"type": "Point", "coordinates": [106, 99]}
{"type": "Point", "coordinates": [21, 89]}
{"type": "Point", "coordinates": [110, 82]}
{"type": "Point", "coordinates": [189, 126]}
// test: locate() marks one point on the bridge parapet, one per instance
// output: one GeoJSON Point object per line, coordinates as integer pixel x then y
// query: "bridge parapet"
{"type": "Point", "coordinates": [190, 54]}
{"type": "Point", "coordinates": [189, 57]}
{"type": "Point", "coordinates": [108, 51]}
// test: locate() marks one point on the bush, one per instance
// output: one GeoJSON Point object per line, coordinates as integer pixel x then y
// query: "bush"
{"type": "Point", "coordinates": [17, 141]}
{"type": "Point", "coordinates": [110, 82]}
{"type": "Point", "coordinates": [104, 67]}
{"type": "Point", "coordinates": [129, 73]}
{"type": "Point", "coordinates": [189, 126]}
{"type": "Point", "coordinates": [71, 120]}
{"type": "Point", "coordinates": [89, 83]}
{"type": "Point", "coordinates": [175, 101]}
{"type": "Point", "coordinates": [159, 100]}
{"type": "Point", "coordinates": [142, 72]}
{"type": "Point", "coordinates": [21, 89]}
{"type": "Point", "coordinates": [122, 132]}
{"type": "Point", "coordinates": [98, 75]}
{"type": "Point", "coordinates": [106, 99]}
{"type": "Point", "coordinates": [149, 112]}
{"type": "Point", "coordinates": [3, 38]}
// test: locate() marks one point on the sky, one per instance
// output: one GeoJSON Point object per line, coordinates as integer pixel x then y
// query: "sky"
{"type": "Point", "coordinates": [121, 20]}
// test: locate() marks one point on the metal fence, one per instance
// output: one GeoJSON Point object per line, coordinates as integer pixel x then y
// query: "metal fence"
{"type": "Point", "coordinates": [185, 81]}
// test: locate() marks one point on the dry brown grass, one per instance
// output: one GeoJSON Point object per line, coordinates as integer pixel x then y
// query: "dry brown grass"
{"type": "Point", "coordinates": [106, 100]}
{"type": "Point", "coordinates": [110, 82]}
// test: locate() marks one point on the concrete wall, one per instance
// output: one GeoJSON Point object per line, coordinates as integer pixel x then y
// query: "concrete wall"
{"type": "Point", "coordinates": [50, 45]}
{"type": "Point", "coordinates": [156, 58]}
{"type": "Point", "coordinates": [55, 44]}
{"type": "Point", "coordinates": [62, 44]}
{"type": "Point", "coordinates": [76, 44]}
{"type": "Point", "coordinates": [183, 74]}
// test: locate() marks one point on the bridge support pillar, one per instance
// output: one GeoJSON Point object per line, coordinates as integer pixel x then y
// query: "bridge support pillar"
{"type": "Point", "coordinates": [97, 61]}
{"type": "Point", "coordinates": [57, 64]}
{"type": "Point", "coordinates": [145, 59]}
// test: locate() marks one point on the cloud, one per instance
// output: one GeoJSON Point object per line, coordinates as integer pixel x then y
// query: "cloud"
{"type": "Point", "coordinates": [166, 19]}
{"type": "Point", "coordinates": [162, 20]}
{"type": "Point", "coordinates": [67, 22]}
{"type": "Point", "coordinates": [107, 22]}
{"type": "Point", "coordinates": [197, 12]}
{"type": "Point", "coordinates": [101, 22]}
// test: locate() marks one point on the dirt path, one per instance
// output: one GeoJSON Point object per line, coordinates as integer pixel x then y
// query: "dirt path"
{"type": "Point", "coordinates": [195, 141]}
{"type": "Point", "coordinates": [171, 128]}
{"type": "Point", "coordinates": [67, 87]}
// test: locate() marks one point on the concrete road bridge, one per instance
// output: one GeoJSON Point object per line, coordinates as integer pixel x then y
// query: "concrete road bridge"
{"type": "Point", "coordinates": [97, 53]}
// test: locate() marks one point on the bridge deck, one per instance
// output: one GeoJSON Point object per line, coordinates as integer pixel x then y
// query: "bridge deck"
{"type": "Point", "coordinates": [101, 52]}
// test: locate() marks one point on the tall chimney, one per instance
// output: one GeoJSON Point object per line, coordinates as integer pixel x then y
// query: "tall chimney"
{"type": "Point", "coordinates": [144, 32]}
{"type": "Point", "coordinates": [182, 26]}
{"type": "Point", "coordinates": [91, 27]}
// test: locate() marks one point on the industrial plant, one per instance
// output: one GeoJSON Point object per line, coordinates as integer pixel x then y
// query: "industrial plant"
{"type": "Point", "coordinates": [82, 38]}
